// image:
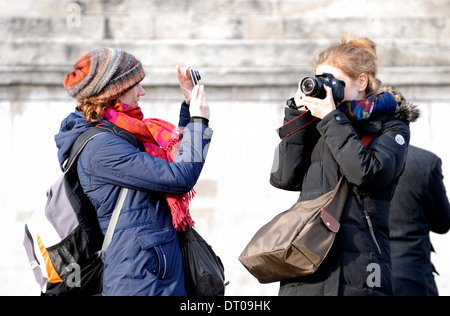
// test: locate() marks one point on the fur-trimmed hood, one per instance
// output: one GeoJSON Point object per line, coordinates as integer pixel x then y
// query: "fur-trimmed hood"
{"type": "Point", "coordinates": [405, 111]}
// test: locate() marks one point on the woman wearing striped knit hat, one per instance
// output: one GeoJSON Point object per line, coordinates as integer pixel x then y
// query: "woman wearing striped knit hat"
{"type": "Point", "coordinates": [144, 256]}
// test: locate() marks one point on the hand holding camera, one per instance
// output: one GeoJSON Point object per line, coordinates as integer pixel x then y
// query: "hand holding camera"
{"type": "Point", "coordinates": [320, 94]}
{"type": "Point", "coordinates": [194, 93]}
{"type": "Point", "coordinates": [199, 106]}
{"type": "Point", "coordinates": [188, 79]}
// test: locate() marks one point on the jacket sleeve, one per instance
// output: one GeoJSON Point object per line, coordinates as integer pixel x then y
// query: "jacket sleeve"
{"type": "Point", "coordinates": [437, 209]}
{"type": "Point", "coordinates": [185, 115]}
{"type": "Point", "coordinates": [113, 160]}
{"type": "Point", "coordinates": [377, 165]}
{"type": "Point", "coordinates": [293, 155]}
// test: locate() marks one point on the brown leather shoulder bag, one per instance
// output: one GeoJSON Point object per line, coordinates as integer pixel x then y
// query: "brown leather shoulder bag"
{"type": "Point", "coordinates": [295, 242]}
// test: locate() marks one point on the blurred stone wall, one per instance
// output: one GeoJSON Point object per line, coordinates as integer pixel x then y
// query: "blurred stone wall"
{"type": "Point", "coordinates": [237, 43]}
{"type": "Point", "coordinates": [251, 54]}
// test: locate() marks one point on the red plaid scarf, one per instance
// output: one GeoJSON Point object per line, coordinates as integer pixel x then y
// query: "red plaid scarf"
{"type": "Point", "coordinates": [161, 139]}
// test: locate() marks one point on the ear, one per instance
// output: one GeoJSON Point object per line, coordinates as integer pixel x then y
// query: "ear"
{"type": "Point", "coordinates": [363, 81]}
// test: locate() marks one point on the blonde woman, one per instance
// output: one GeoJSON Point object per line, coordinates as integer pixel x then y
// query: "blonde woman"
{"type": "Point", "coordinates": [323, 141]}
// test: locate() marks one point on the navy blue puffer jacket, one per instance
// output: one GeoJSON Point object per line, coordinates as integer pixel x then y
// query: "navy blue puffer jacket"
{"type": "Point", "coordinates": [144, 256]}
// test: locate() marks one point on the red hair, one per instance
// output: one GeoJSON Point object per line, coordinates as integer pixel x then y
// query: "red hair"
{"type": "Point", "coordinates": [353, 57]}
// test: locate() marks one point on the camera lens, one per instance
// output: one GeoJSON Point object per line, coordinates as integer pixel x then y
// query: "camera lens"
{"type": "Point", "coordinates": [309, 86]}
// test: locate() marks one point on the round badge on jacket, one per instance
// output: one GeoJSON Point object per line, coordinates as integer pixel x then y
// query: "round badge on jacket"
{"type": "Point", "coordinates": [400, 139]}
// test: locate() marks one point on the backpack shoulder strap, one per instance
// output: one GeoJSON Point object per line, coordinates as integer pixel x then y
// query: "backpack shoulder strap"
{"type": "Point", "coordinates": [120, 132]}
{"type": "Point", "coordinates": [84, 138]}
{"type": "Point", "coordinates": [79, 145]}
{"type": "Point", "coordinates": [114, 219]}
{"type": "Point", "coordinates": [75, 152]}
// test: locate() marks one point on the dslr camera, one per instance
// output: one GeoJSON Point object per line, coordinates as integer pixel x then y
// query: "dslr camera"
{"type": "Point", "coordinates": [195, 76]}
{"type": "Point", "coordinates": [313, 87]}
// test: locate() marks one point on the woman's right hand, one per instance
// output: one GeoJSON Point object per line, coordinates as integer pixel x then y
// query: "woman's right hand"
{"type": "Point", "coordinates": [186, 84]}
{"type": "Point", "coordinates": [199, 106]}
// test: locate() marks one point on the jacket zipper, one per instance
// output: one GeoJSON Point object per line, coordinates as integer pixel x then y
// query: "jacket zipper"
{"type": "Point", "coordinates": [162, 262]}
{"type": "Point", "coordinates": [372, 232]}
{"type": "Point", "coordinates": [165, 264]}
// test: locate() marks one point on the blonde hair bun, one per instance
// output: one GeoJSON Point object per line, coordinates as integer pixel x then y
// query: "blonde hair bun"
{"type": "Point", "coordinates": [365, 43]}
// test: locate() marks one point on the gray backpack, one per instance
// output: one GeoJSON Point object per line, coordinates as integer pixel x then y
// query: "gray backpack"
{"type": "Point", "coordinates": [63, 241]}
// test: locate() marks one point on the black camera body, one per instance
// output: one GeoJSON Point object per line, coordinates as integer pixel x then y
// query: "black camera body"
{"type": "Point", "coordinates": [195, 76]}
{"type": "Point", "coordinates": [313, 87]}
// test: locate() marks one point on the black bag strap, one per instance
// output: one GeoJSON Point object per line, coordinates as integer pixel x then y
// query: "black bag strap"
{"type": "Point", "coordinates": [84, 138]}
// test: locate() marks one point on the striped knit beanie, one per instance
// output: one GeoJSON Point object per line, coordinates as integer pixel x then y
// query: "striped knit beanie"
{"type": "Point", "coordinates": [104, 74]}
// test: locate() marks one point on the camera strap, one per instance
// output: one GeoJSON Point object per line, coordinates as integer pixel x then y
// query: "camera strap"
{"type": "Point", "coordinates": [296, 124]}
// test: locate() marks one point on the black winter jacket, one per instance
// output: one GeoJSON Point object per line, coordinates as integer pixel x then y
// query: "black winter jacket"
{"type": "Point", "coordinates": [420, 205]}
{"type": "Point", "coordinates": [312, 160]}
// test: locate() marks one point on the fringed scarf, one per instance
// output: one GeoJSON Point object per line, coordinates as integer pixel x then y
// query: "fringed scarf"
{"type": "Point", "coordinates": [382, 103]}
{"type": "Point", "coordinates": [161, 139]}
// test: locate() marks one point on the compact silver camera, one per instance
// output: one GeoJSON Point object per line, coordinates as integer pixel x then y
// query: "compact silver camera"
{"type": "Point", "coordinates": [195, 76]}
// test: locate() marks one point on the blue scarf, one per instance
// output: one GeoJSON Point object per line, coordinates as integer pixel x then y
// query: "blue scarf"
{"type": "Point", "coordinates": [357, 110]}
